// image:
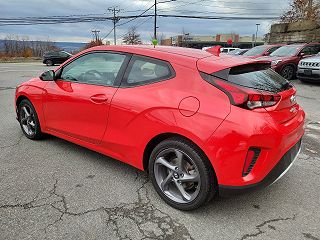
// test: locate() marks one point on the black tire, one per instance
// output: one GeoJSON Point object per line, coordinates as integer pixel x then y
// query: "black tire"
{"type": "Point", "coordinates": [49, 62]}
{"type": "Point", "coordinates": [207, 182]}
{"type": "Point", "coordinates": [288, 72]}
{"type": "Point", "coordinates": [33, 118]}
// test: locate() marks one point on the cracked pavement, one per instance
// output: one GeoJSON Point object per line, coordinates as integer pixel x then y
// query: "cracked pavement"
{"type": "Point", "coordinates": [52, 189]}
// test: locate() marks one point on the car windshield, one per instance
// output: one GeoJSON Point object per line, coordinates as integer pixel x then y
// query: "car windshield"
{"type": "Point", "coordinates": [286, 51]}
{"type": "Point", "coordinates": [256, 51]}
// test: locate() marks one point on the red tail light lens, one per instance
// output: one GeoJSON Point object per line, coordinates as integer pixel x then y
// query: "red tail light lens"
{"type": "Point", "coordinates": [243, 97]}
{"type": "Point", "coordinates": [262, 100]}
{"type": "Point", "coordinates": [251, 159]}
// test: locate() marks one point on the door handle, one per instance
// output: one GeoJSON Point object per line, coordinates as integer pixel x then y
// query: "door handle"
{"type": "Point", "coordinates": [99, 99]}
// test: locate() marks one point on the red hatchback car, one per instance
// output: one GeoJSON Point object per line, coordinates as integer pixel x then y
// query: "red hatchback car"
{"type": "Point", "coordinates": [199, 124]}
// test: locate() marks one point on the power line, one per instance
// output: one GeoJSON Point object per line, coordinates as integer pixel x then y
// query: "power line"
{"type": "Point", "coordinates": [67, 19]}
{"type": "Point", "coordinates": [135, 17]}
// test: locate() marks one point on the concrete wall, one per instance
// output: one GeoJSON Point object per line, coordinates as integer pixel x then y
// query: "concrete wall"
{"type": "Point", "coordinates": [297, 32]}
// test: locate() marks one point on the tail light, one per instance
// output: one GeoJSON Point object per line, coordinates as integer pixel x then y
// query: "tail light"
{"type": "Point", "coordinates": [243, 97]}
{"type": "Point", "coordinates": [251, 159]}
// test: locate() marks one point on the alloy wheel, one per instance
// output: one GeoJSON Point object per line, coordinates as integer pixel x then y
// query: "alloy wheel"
{"type": "Point", "coordinates": [27, 120]}
{"type": "Point", "coordinates": [177, 175]}
{"type": "Point", "coordinates": [287, 72]}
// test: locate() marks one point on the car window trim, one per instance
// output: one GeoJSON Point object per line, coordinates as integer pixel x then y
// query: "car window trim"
{"type": "Point", "coordinates": [119, 77]}
{"type": "Point", "coordinates": [124, 81]}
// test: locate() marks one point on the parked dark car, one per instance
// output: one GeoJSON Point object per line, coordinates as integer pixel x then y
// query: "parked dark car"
{"type": "Point", "coordinates": [285, 59]}
{"type": "Point", "coordinates": [55, 57]}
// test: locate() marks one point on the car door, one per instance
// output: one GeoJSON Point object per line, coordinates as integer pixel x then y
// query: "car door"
{"type": "Point", "coordinates": [140, 90]}
{"type": "Point", "coordinates": [77, 103]}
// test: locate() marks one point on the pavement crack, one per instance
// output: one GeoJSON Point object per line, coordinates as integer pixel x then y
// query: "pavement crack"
{"type": "Point", "coordinates": [145, 220]}
{"type": "Point", "coordinates": [309, 236]}
{"type": "Point", "coordinates": [13, 144]}
{"type": "Point", "coordinates": [6, 88]}
{"type": "Point", "coordinates": [265, 223]}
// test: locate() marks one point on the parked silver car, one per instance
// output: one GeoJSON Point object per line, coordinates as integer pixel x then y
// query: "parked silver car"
{"type": "Point", "coordinates": [309, 69]}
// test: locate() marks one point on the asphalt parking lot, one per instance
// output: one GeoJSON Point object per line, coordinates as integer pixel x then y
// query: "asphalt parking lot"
{"type": "Point", "coordinates": [52, 189]}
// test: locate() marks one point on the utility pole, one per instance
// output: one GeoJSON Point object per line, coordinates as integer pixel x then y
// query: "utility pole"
{"type": "Point", "coordinates": [96, 34]}
{"type": "Point", "coordinates": [155, 20]}
{"type": "Point", "coordinates": [155, 16]}
{"type": "Point", "coordinates": [255, 39]}
{"type": "Point", "coordinates": [115, 20]}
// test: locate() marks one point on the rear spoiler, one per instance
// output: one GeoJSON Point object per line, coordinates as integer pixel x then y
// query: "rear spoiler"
{"type": "Point", "coordinates": [216, 50]}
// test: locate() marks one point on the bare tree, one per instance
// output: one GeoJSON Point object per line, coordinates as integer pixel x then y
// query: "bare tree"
{"type": "Point", "coordinates": [132, 37]}
{"type": "Point", "coordinates": [302, 10]}
{"type": "Point", "coordinates": [94, 43]}
{"type": "Point", "coordinates": [17, 46]}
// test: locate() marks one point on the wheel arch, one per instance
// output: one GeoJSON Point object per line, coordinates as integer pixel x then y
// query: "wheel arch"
{"type": "Point", "coordinates": [163, 136]}
{"type": "Point", "coordinates": [19, 100]}
{"type": "Point", "coordinates": [290, 64]}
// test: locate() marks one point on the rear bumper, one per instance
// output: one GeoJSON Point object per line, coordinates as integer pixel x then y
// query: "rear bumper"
{"type": "Point", "coordinates": [274, 175]}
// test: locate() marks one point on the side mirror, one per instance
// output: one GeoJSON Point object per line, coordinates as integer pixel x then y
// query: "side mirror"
{"type": "Point", "coordinates": [266, 54]}
{"type": "Point", "coordinates": [302, 55]}
{"type": "Point", "coordinates": [48, 76]}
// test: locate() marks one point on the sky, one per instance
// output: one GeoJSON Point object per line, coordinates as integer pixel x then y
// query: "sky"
{"type": "Point", "coordinates": [81, 32]}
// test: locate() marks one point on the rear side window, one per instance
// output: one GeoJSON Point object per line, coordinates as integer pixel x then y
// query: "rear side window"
{"type": "Point", "coordinates": [255, 76]}
{"type": "Point", "coordinates": [145, 70]}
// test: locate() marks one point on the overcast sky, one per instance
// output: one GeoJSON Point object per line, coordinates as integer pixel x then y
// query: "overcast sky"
{"type": "Point", "coordinates": [81, 32]}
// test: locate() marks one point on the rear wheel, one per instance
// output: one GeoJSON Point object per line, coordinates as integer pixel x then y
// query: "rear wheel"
{"type": "Point", "coordinates": [49, 63]}
{"type": "Point", "coordinates": [181, 175]}
{"type": "Point", "coordinates": [287, 72]}
{"type": "Point", "coordinates": [29, 121]}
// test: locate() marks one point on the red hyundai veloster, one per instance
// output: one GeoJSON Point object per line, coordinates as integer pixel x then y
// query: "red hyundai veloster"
{"type": "Point", "coordinates": [200, 124]}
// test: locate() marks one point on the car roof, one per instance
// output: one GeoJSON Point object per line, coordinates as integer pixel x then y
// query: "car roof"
{"type": "Point", "coordinates": [151, 50]}
{"type": "Point", "coordinates": [188, 57]}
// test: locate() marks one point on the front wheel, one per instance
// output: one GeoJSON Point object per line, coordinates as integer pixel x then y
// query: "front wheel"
{"type": "Point", "coordinates": [181, 174]}
{"type": "Point", "coordinates": [287, 72]}
{"type": "Point", "coordinates": [29, 121]}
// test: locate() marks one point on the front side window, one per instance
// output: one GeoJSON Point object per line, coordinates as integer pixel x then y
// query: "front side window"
{"type": "Point", "coordinates": [100, 68]}
{"type": "Point", "coordinates": [310, 50]}
{"type": "Point", "coordinates": [143, 70]}
{"type": "Point", "coordinates": [271, 50]}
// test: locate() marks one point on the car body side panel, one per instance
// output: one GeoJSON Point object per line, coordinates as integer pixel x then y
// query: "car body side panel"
{"type": "Point", "coordinates": [138, 114]}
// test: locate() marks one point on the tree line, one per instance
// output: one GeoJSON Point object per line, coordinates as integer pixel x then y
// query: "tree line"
{"type": "Point", "coordinates": [21, 46]}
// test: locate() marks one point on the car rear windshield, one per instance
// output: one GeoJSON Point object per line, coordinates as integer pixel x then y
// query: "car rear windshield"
{"type": "Point", "coordinates": [255, 76]}
{"type": "Point", "coordinates": [286, 51]}
{"type": "Point", "coordinates": [256, 51]}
